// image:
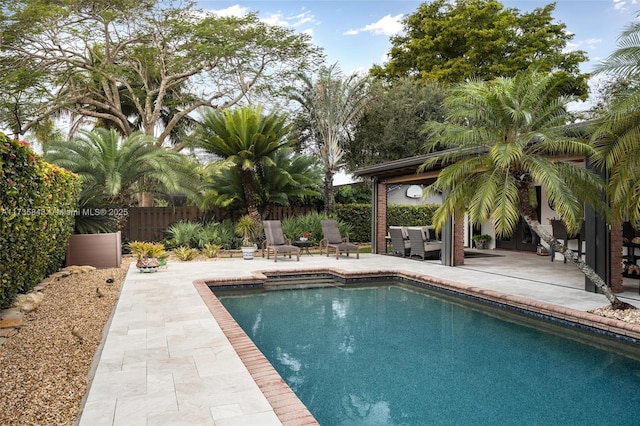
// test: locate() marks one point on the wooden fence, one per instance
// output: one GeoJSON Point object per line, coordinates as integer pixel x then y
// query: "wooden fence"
{"type": "Point", "coordinates": [150, 223]}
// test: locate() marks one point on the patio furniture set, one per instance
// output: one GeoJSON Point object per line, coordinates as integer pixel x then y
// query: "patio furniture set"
{"type": "Point", "coordinates": [414, 241]}
{"type": "Point", "coordinates": [276, 243]}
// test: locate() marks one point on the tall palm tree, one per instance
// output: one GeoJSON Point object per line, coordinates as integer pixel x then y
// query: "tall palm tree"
{"type": "Point", "coordinates": [617, 133]}
{"type": "Point", "coordinates": [247, 139]}
{"type": "Point", "coordinates": [499, 140]}
{"type": "Point", "coordinates": [118, 168]}
{"type": "Point", "coordinates": [334, 104]}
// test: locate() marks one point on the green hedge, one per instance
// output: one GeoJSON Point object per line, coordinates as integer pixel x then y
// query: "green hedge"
{"type": "Point", "coordinates": [358, 218]}
{"type": "Point", "coordinates": [37, 205]}
{"type": "Point", "coordinates": [410, 215]}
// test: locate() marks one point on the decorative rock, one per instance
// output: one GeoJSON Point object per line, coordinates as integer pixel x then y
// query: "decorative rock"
{"type": "Point", "coordinates": [11, 313]}
{"type": "Point", "coordinates": [78, 269]}
{"type": "Point", "coordinates": [11, 323]}
{"type": "Point", "coordinates": [8, 332]}
{"type": "Point", "coordinates": [28, 302]}
{"type": "Point", "coordinates": [61, 274]}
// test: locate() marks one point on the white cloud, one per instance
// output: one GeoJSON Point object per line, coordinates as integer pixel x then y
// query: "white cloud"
{"type": "Point", "coordinates": [303, 18]}
{"type": "Point", "coordinates": [387, 25]}
{"type": "Point", "coordinates": [235, 10]}
{"type": "Point", "coordinates": [276, 19]}
{"type": "Point", "coordinates": [623, 4]}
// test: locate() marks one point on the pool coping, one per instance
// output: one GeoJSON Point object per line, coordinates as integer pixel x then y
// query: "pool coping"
{"type": "Point", "coordinates": [285, 403]}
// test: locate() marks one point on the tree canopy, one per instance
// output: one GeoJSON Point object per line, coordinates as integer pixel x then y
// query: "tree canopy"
{"type": "Point", "coordinates": [392, 123]}
{"type": "Point", "coordinates": [453, 41]}
{"type": "Point", "coordinates": [136, 65]}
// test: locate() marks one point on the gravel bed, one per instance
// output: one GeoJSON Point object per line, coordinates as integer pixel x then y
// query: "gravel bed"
{"type": "Point", "coordinates": [44, 369]}
{"type": "Point", "coordinates": [628, 315]}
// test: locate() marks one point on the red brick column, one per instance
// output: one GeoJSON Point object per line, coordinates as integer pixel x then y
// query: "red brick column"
{"type": "Point", "coordinates": [381, 213]}
{"type": "Point", "coordinates": [615, 258]}
{"type": "Point", "coordinates": [458, 240]}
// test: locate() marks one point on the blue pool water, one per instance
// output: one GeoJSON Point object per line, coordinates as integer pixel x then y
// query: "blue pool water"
{"type": "Point", "coordinates": [388, 355]}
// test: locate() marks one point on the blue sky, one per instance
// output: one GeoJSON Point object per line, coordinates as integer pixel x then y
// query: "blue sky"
{"type": "Point", "coordinates": [355, 33]}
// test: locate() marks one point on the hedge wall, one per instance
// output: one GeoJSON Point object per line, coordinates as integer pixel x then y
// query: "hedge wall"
{"type": "Point", "coordinates": [358, 216]}
{"type": "Point", "coordinates": [38, 201]}
{"type": "Point", "coordinates": [410, 215]}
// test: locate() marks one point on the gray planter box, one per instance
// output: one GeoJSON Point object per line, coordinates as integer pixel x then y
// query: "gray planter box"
{"type": "Point", "coordinates": [99, 250]}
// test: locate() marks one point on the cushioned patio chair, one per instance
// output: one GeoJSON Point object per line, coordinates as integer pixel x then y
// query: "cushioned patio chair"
{"type": "Point", "coordinates": [333, 240]}
{"type": "Point", "coordinates": [421, 243]}
{"type": "Point", "coordinates": [276, 243]}
{"type": "Point", "coordinates": [399, 241]}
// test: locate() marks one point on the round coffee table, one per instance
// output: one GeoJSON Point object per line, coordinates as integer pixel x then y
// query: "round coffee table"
{"type": "Point", "coordinates": [304, 246]}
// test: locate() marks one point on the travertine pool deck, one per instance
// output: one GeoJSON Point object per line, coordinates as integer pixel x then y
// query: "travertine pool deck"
{"type": "Point", "coordinates": [171, 357]}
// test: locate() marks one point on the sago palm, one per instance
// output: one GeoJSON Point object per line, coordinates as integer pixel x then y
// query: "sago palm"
{"type": "Point", "coordinates": [499, 140]}
{"type": "Point", "coordinates": [617, 134]}
{"type": "Point", "coordinates": [246, 138]}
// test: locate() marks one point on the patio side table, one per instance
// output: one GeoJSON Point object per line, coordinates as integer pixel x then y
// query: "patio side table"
{"type": "Point", "coordinates": [304, 246]}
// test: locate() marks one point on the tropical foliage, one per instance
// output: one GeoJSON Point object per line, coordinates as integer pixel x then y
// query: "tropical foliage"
{"type": "Point", "coordinates": [500, 139]}
{"type": "Point", "coordinates": [113, 170]}
{"type": "Point", "coordinates": [200, 235]}
{"type": "Point", "coordinates": [332, 106]}
{"type": "Point", "coordinates": [617, 133]}
{"type": "Point", "coordinates": [291, 179]}
{"type": "Point", "coordinates": [248, 140]}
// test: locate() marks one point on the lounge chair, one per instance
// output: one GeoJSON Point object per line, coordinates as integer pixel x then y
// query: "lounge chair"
{"type": "Point", "coordinates": [421, 242]}
{"type": "Point", "coordinates": [399, 241]}
{"type": "Point", "coordinates": [276, 243]}
{"type": "Point", "coordinates": [333, 240]}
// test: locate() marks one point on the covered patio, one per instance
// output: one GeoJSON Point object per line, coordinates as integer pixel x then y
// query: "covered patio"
{"type": "Point", "coordinates": [603, 247]}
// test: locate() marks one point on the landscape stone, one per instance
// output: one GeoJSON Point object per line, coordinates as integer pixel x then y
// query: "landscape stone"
{"type": "Point", "coordinates": [11, 323]}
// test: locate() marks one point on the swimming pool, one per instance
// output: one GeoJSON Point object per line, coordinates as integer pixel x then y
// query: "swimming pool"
{"type": "Point", "coordinates": [390, 354]}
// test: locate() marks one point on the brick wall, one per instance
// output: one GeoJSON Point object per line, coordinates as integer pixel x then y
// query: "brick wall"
{"type": "Point", "coordinates": [381, 208]}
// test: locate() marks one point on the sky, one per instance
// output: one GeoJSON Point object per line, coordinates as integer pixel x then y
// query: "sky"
{"type": "Point", "coordinates": [356, 33]}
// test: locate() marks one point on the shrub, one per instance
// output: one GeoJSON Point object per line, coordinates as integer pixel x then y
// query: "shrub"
{"type": "Point", "coordinates": [184, 233]}
{"type": "Point", "coordinates": [38, 202]}
{"type": "Point", "coordinates": [211, 250]}
{"type": "Point", "coordinates": [294, 227]}
{"type": "Point", "coordinates": [186, 253]}
{"type": "Point", "coordinates": [358, 218]}
{"type": "Point", "coordinates": [410, 215]}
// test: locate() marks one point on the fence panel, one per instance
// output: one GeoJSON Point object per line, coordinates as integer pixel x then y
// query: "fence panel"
{"type": "Point", "coordinates": [150, 223]}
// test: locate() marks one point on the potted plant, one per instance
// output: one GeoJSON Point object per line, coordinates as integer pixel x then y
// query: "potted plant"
{"type": "Point", "coordinates": [144, 252]}
{"type": "Point", "coordinates": [481, 240]}
{"type": "Point", "coordinates": [305, 236]}
{"type": "Point", "coordinates": [247, 228]}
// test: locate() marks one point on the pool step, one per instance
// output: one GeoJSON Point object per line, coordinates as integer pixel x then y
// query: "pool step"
{"type": "Point", "coordinates": [289, 283]}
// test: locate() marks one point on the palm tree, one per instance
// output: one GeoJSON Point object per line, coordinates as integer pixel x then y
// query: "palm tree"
{"type": "Point", "coordinates": [247, 139]}
{"type": "Point", "coordinates": [499, 140]}
{"type": "Point", "coordinates": [116, 169]}
{"type": "Point", "coordinates": [291, 178]}
{"type": "Point", "coordinates": [333, 104]}
{"type": "Point", "coordinates": [617, 133]}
